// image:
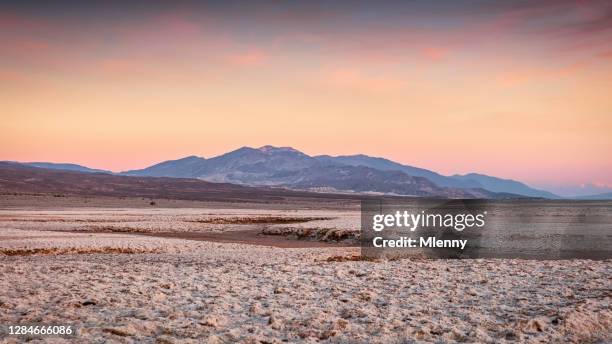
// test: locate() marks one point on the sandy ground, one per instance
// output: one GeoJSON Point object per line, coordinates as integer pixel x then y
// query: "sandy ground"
{"type": "Point", "coordinates": [126, 287]}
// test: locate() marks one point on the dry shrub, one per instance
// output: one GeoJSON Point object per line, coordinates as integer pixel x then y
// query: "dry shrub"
{"type": "Point", "coordinates": [258, 220]}
{"type": "Point", "coordinates": [56, 219]}
{"type": "Point", "coordinates": [74, 250]}
{"type": "Point", "coordinates": [321, 234]}
{"type": "Point", "coordinates": [116, 229]}
{"type": "Point", "coordinates": [351, 258]}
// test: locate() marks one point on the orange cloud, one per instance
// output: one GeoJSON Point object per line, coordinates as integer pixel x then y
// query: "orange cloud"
{"type": "Point", "coordinates": [358, 80]}
{"type": "Point", "coordinates": [121, 66]}
{"type": "Point", "coordinates": [518, 76]}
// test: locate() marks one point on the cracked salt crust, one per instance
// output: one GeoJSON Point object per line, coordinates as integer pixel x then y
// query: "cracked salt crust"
{"type": "Point", "coordinates": [194, 291]}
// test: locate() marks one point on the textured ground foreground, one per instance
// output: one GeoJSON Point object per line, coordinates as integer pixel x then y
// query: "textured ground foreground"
{"type": "Point", "coordinates": [122, 287]}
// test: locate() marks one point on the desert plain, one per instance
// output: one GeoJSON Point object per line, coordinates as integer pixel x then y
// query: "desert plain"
{"type": "Point", "coordinates": [136, 270]}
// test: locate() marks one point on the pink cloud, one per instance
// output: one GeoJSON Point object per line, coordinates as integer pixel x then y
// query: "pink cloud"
{"type": "Point", "coordinates": [253, 57]}
{"type": "Point", "coordinates": [606, 54]}
{"type": "Point", "coordinates": [12, 21]}
{"type": "Point", "coordinates": [435, 53]}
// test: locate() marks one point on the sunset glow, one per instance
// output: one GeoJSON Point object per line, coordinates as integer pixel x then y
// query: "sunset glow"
{"type": "Point", "coordinates": [518, 90]}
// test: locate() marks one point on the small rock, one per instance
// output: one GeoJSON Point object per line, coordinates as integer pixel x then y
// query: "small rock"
{"type": "Point", "coordinates": [340, 324]}
{"type": "Point", "coordinates": [536, 325]}
{"type": "Point", "coordinates": [213, 339]}
{"type": "Point", "coordinates": [256, 309]}
{"type": "Point", "coordinates": [164, 340]}
{"type": "Point", "coordinates": [89, 302]}
{"type": "Point", "coordinates": [274, 322]}
{"type": "Point", "coordinates": [327, 334]}
{"type": "Point", "coordinates": [233, 334]}
{"type": "Point", "coordinates": [120, 331]}
{"type": "Point", "coordinates": [213, 321]}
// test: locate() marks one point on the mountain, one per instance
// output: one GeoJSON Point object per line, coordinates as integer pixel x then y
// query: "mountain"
{"type": "Point", "coordinates": [64, 166]}
{"type": "Point", "coordinates": [369, 180]}
{"type": "Point", "coordinates": [388, 165]}
{"type": "Point", "coordinates": [266, 165]}
{"type": "Point", "coordinates": [189, 167]}
{"type": "Point", "coordinates": [575, 191]}
{"type": "Point", "coordinates": [25, 179]}
{"type": "Point", "coordinates": [253, 166]}
{"type": "Point", "coordinates": [281, 166]}
{"type": "Point", "coordinates": [468, 181]}
{"type": "Point", "coordinates": [601, 196]}
{"type": "Point", "coordinates": [504, 185]}
{"type": "Point", "coordinates": [290, 168]}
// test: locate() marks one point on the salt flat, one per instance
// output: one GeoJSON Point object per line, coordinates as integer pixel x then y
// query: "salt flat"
{"type": "Point", "coordinates": [123, 287]}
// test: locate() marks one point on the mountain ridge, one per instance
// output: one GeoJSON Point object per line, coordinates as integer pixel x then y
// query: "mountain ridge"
{"type": "Point", "coordinates": [599, 196]}
{"type": "Point", "coordinates": [18, 178]}
{"type": "Point", "coordinates": [280, 166]}
{"type": "Point", "coordinates": [66, 167]}
{"type": "Point", "coordinates": [290, 168]}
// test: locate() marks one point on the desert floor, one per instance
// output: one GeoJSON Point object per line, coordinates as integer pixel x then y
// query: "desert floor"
{"type": "Point", "coordinates": [113, 271]}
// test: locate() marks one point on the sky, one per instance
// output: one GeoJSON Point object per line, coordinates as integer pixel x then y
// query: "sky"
{"type": "Point", "coordinates": [515, 89]}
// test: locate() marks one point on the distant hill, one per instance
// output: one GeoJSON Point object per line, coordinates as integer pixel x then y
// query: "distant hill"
{"type": "Point", "coordinates": [67, 167]}
{"type": "Point", "coordinates": [601, 196]}
{"type": "Point", "coordinates": [469, 181]}
{"type": "Point", "coordinates": [504, 185]}
{"type": "Point", "coordinates": [368, 180]}
{"type": "Point", "coordinates": [189, 167]}
{"type": "Point", "coordinates": [388, 165]}
{"type": "Point", "coordinates": [25, 179]}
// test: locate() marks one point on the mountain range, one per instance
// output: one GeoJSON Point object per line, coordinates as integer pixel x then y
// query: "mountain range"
{"type": "Point", "coordinates": [289, 168]}
{"type": "Point", "coordinates": [26, 180]}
